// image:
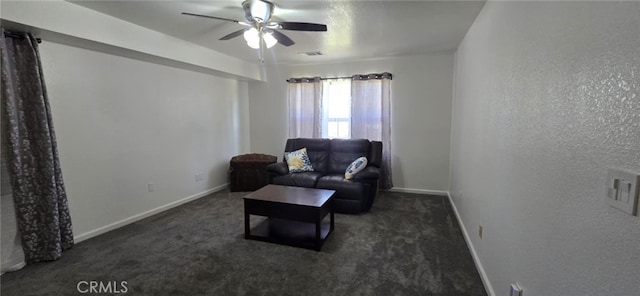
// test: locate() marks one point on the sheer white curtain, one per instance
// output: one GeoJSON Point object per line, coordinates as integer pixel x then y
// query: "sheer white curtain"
{"type": "Point", "coordinates": [371, 116]}
{"type": "Point", "coordinates": [305, 107]}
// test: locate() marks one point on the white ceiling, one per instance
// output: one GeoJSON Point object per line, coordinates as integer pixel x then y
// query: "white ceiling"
{"type": "Point", "coordinates": [356, 29]}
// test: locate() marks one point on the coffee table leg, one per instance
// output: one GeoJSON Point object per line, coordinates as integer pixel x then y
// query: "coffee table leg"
{"type": "Point", "coordinates": [331, 221]}
{"type": "Point", "coordinates": [247, 230]}
{"type": "Point", "coordinates": [318, 232]}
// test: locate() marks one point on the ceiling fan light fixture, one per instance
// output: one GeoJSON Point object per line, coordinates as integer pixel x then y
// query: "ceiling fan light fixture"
{"type": "Point", "coordinates": [260, 32]}
{"type": "Point", "coordinates": [254, 44]}
{"type": "Point", "coordinates": [259, 10]}
{"type": "Point", "coordinates": [252, 36]}
{"type": "Point", "coordinates": [269, 40]}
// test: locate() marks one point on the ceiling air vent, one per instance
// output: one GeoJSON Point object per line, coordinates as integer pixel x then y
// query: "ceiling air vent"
{"type": "Point", "coordinates": [311, 53]}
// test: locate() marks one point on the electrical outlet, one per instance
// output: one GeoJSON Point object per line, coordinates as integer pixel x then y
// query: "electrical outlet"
{"type": "Point", "coordinates": [152, 187]}
{"type": "Point", "coordinates": [480, 231]}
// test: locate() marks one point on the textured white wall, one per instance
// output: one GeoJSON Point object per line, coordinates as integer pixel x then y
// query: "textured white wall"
{"type": "Point", "coordinates": [547, 98]}
{"type": "Point", "coordinates": [123, 123]}
{"type": "Point", "coordinates": [421, 113]}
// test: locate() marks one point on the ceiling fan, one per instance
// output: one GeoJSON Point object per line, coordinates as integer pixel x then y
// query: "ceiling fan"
{"type": "Point", "coordinates": [261, 32]}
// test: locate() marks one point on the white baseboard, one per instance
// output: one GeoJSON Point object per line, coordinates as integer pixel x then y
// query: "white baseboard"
{"type": "Point", "coordinates": [419, 191]}
{"type": "Point", "coordinates": [476, 260]}
{"type": "Point", "coordinates": [13, 265]}
{"type": "Point", "coordinates": [138, 217]}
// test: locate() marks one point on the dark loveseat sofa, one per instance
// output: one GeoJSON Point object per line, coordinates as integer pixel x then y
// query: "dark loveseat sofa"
{"type": "Point", "coordinates": [330, 158]}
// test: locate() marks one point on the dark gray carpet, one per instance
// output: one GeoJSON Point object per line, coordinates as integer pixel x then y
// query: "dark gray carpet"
{"type": "Point", "coordinates": [408, 244]}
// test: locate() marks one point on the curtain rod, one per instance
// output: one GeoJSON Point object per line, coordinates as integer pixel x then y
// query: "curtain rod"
{"type": "Point", "coordinates": [18, 36]}
{"type": "Point", "coordinates": [329, 78]}
{"type": "Point", "coordinates": [320, 78]}
{"type": "Point", "coordinates": [384, 74]}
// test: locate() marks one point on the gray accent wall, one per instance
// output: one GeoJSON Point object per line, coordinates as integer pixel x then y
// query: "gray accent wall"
{"type": "Point", "coordinates": [546, 99]}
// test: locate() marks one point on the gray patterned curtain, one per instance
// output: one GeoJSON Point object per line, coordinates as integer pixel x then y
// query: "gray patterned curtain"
{"type": "Point", "coordinates": [41, 205]}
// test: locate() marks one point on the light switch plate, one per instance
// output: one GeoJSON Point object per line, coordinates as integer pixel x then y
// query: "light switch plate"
{"type": "Point", "coordinates": [622, 190]}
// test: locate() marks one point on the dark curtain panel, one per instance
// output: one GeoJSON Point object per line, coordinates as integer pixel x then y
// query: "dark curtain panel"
{"type": "Point", "coordinates": [42, 209]}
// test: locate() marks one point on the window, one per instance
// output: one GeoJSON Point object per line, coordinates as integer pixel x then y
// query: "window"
{"type": "Point", "coordinates": [355, 107]}
{"type": "Point", "coordinates": [336, 103]}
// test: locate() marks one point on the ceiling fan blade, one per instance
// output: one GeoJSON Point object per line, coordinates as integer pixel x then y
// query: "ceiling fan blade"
{"type": "Point", "coordinates": [296, 26]}
{"type": "Point", "coordinates": [233, 34]}
{"type": "Point", "coordinates": [282, 38]}
{"type": "Point", "coordinates": [211, 17]}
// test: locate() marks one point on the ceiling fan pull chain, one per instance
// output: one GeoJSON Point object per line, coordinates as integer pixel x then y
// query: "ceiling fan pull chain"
{"type": "Point", "coordinates": [262, 45]}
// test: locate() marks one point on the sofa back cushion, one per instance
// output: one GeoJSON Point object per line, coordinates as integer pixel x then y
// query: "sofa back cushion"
{"type": "Point", "coordinates": [317, 149]}
{"type": "Point", "coordinates": [344, 152]}
{"type": "Point", "coordinates": [375, 154]}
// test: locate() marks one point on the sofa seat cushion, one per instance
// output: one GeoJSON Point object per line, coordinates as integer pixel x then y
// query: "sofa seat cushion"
{"type": "Point", "coordinates": [345, 189]}
{"type": "Point", "coordinates": [304, 179]}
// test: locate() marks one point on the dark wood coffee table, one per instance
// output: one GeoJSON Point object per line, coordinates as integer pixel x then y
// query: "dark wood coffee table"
{"type": "Point", "coordinates": [295, 214]}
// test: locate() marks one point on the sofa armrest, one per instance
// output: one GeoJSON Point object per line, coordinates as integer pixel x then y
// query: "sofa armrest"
{"type": "Point", "coordinates": [369, 173]}
{"type": "Point", "coordinates": [278, 168]}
